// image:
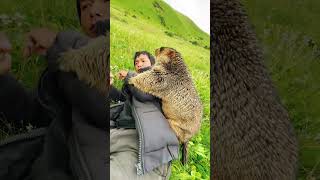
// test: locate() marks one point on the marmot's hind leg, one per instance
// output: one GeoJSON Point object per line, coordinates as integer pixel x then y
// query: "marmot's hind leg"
{"type": "Point", "coordinates": [180, 133]}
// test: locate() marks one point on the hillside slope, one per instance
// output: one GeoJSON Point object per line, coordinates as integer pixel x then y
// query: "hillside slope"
{"type": "Point", "coordinates": [156, 15]}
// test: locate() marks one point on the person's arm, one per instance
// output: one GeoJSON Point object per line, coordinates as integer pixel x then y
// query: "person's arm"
{"type": "Point", "coordinates": [91, 103]}
{"type": "Point", "coordinates": [116, 95]}
{"type": "Point", "coordinates": [139, 95]}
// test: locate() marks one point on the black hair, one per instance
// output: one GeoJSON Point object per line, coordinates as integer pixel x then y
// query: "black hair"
{"type": "Point", "coordinates": [137, 54]}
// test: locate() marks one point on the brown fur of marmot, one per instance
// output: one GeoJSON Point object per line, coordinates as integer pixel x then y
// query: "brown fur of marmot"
{"type": "Point", "coordinates": [170, 81]}
{"type": "Point", "coordinates": [90, 63]}
{"type": "Point", "coordinates": [252, 137]}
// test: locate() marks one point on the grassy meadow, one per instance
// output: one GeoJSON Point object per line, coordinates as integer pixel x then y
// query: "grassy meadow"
{"type": "Point", "coordinates": [136, 26]}
{"type": "Point", "coordinates": [17, 17]}
{"type": "Point", "coordinates": [289, 32]}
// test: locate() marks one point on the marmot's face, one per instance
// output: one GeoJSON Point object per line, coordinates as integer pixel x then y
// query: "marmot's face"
{"type": "Point", "coordinates": [165, 54]}
{"type": "Point", "coordinates": [170, 59]}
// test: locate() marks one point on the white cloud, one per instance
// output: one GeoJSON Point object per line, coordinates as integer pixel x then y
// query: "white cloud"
{"type": "Point", "coordinates": [197, 10]}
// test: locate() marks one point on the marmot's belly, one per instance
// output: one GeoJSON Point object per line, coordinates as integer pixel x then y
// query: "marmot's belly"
{"type": "Point", "coordinates": [185, 115]}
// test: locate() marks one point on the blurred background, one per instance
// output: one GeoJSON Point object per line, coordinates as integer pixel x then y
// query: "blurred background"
{"type": "Point", "coordinates": [289, 32]}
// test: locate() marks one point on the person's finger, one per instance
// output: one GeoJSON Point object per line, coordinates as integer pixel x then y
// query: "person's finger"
{"type": "Point", "coordinates": [5, 45]}
{"type": "Point", "coordinates": [40, 50]}
{"type": "Point", "coordinates": [5, 63]}
{"type": "Point", "coordinates": [44, 37]}
{"type": "Point", "coordinates": [37, 37]}
{"type": "Point", "coordinates": [29, 44]}
{"type": "Point", "coordinates": [119, 74]}
{"type": "Point", "coordinates": [27, 50]}
{"type": "Point", "coordinates": [38, 41]}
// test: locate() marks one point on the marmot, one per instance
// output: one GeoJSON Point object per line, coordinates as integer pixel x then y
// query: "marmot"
{"type": "Point", "coordinates": [90, 63]}
{"type": "Point", "coordinates": [252, 137]}
{"type": "Point", "coordinates": [170, 81]}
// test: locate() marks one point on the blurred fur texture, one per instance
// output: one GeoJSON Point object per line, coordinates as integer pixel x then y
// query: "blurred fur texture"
{"type": "Point", "coordinates": [252, 137]}
{"type": "Point", "coordinates": [90, 63]}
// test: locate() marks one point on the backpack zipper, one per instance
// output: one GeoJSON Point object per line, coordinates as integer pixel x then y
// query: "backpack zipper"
{"type": "Point", "coordinates": [117, 104]}
{"type": "Point", "coordinates": [139, 165]}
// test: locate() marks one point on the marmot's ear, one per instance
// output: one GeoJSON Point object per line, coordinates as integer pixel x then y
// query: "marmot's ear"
{"type": "Point", "coordinates": [157, 52]}
{"type": "Point", "coordinates": [171, 54]}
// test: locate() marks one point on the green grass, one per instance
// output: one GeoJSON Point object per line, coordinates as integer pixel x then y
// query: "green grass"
{"type": "Point", "coordinates": [289, 33]}
{"type": "Point", "coordinates": [135, 26]}
{"type": "Point", "coordinates": [19, 16]}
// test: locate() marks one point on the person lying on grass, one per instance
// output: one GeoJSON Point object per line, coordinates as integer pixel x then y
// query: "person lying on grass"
{"type": "Point", "coordinates": [139, 108]}
{"type": "Point", "coordinates": [143, 61]}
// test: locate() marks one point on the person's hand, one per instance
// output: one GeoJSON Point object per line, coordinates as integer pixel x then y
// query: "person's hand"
{"type": "Point", "coordinates": [5, 56]}
{"type": "Point", "coordinates": [123, 74]}
{"type": "Point", "coordinates": [111, 78]}
{"type": "Point", "coordinates": [38, 41]}
{"type": "Point", "coordinates": [5, 45]}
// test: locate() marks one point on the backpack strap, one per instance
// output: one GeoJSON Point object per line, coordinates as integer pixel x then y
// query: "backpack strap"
{"type": "Point", "coordinates": [119, 117]}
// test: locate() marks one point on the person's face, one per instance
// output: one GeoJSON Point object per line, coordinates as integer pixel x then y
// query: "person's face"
{"type": "Point", "coordinates": [93, 11]}
{"type": "Point", "coordinates": [142, 61]}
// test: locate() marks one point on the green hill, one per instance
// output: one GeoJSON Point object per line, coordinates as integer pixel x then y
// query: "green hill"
{"type": "Point", "coordinates": [147, 25]}
{"type": "Point", "coordinates": [154, 16]}
{"type": "Point", "coordinates": [289, 33]}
